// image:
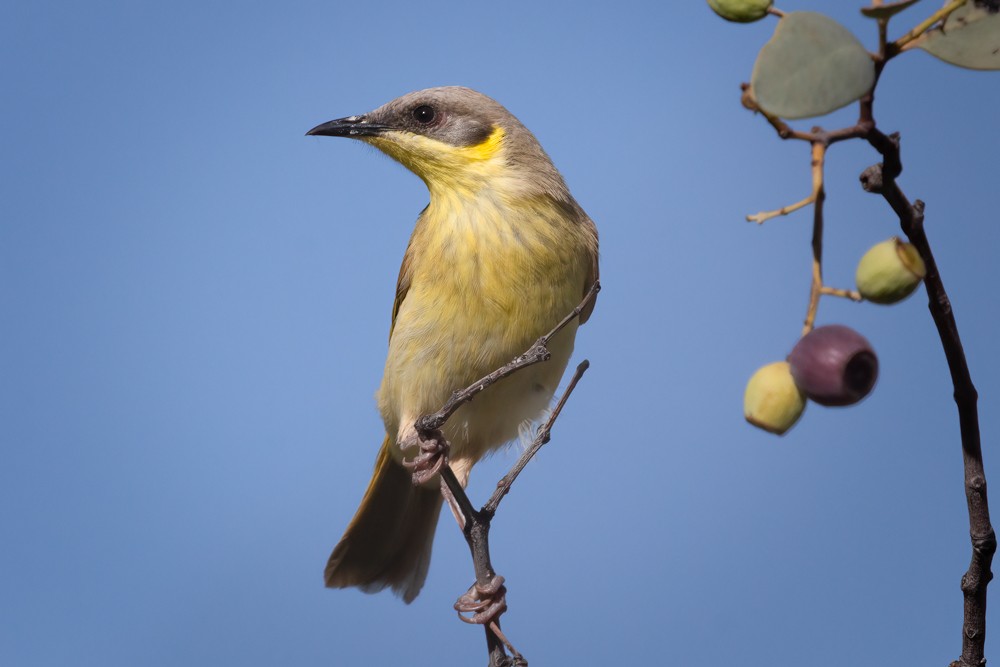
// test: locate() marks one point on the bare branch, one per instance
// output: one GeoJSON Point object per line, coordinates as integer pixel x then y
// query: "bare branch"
{"type": "Point", "coordinates": [817, 134]}
{"type": "Point", "coordinates": [485, 601]}
{"type": "Point", "coordinates": [764, 216]}
{"type": "Point", "coordinates": [984, 543]}
{"type": "Point", "coordinates": [816, 284]}
{"type": "Point", "coordinates": [881, 179]}
{"type": "Point", "coordinates": [541, 438]}
{"type": "Point", "coordinates": [851, 294]}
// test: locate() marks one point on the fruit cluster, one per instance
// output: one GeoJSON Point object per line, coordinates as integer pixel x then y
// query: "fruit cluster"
{"type": "Point", "coordinates": [833, 365]}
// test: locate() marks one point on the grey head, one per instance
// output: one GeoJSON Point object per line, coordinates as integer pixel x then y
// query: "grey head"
{"type": "Point", "coordinates": [451, 117]}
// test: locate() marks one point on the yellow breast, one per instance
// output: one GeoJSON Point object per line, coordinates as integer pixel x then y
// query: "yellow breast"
{"type": "Point", "coordinates": [487, 276]}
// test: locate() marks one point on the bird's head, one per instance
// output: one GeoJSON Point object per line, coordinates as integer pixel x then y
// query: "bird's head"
{"type": "Point", "coordinates": [453, 138]}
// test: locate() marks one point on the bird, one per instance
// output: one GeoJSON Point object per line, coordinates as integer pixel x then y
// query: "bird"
{"type": "Point", "coordinates": [501, 253]}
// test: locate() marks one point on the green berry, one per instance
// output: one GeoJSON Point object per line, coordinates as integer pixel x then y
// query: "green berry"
{"type": "Point", "coordinates": [890, 271]}
{"type": "Point", "coordinates": [772, 401]}
{"type": "Point", "coordinates": [741, 11]}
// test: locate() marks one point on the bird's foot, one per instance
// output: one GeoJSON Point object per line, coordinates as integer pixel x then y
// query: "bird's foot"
{"type": "Point", "coordinates": [432, 456]}
{"type": "Point", "coordinates": [484, 602]}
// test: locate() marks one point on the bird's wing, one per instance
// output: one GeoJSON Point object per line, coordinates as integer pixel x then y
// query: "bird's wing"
{"type": "Point", "coordinates": [405, 272]}
{"type": "Point", "coordinates": [593, 275]}
{"type": "Point", "coordinates": [402, 287]}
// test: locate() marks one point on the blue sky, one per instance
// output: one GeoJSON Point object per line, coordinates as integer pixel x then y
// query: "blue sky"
{"type": "Point", "coordinates": [196, 299]}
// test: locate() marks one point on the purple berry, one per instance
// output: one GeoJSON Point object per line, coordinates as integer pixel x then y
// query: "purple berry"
{"type": "Point", "coordinates": [834, 365]}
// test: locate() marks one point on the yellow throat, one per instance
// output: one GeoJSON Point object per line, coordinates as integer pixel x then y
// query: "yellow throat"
{"type": "Point", "coordinates": [443, 167]}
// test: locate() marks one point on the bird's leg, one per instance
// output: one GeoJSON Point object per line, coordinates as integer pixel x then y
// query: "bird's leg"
{"type": "Point", "coordinates": [456, 509]}
{"type": "Point", "coordinates": [486, 600]}
{"type": "Point", "coordinates": [432, 454]}
{"type": "Point", "coordinates": [460, 468]}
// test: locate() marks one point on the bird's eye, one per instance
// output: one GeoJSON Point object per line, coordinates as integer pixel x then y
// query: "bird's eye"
{"type": "Point", "coordinates": [424, 114]}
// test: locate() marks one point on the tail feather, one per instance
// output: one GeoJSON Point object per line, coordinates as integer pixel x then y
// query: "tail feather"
{"type": "Point", "coordinates": [388, 542]}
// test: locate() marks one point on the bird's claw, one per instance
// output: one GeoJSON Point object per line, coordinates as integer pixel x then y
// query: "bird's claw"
{"type": "Point", "coordinates": [432, 457]}
{"type": "Point", "coordinates": [484, 602]}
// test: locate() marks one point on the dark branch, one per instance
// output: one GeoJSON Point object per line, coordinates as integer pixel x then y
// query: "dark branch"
{"type": "Point", "coordinates": [485, 600]}
{"type": "Point", "coordinates": [882, 179]}
{"type": "Point", "coordinates": [541, 438]}
{"type": "Point", "coordinates": [816, 135]}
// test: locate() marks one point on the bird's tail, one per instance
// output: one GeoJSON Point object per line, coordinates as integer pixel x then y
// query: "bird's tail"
{"type": "Point", "coordinates": [388, 542]}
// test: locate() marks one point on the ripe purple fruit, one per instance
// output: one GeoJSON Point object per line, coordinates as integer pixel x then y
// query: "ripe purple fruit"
{"type": "Point", "coordinates": [834, 365]}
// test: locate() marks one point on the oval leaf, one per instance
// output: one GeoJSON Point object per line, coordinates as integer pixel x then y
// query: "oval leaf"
{"type": "Point", "coordinates": [811, 66]}
{"type": "Point", "coordinates": [970, 37]}
{"type": "Point", "coordinates": [886, 11]}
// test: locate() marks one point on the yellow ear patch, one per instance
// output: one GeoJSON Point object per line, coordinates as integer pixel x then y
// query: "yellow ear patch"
{"type": "Point", "coordinates": [487, 149]}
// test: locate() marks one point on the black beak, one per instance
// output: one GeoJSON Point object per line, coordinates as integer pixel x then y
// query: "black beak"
{"type": "Point", "coordinates": [352, 126]}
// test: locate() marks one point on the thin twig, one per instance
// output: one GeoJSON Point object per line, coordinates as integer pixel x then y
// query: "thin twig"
{"type": "Point", "coordinates": [541, 438]}
{"type": "Point", "coordinates": [764, 216]}
{"type": "Point", "coordinates": [533, 355]}
{"type": "Point", "coordinates": [518, 658]}
{"type": "Point", "coordinates": [883, 37]}
{"type": "Point", "coordinates": [780, 126]}
{"type": "Point", "coordinates": [495, 647]}
{"type": "Point", "coordinates": [786, 132]}
{"type": "Point", "coordinates": [486, 599]}
{"type": "Point", "coordinates": [816, 284]}
{"type": "Point", "coordinates": [923, 26]}
{"type": "Point", "coordinates": [984, 542]}
{"type": "Point", "coordinates": [851, 294]}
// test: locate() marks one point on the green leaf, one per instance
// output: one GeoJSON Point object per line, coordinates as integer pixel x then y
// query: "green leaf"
{"type": "Point", "coordinates": [970, 37]}
{"type": "Point", "coordinates": [811, 66]}
{"type": "Point", "coordinates": [887, 10]}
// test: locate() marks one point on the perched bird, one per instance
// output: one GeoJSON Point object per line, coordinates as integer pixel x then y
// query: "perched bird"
{"type": "Point", "coordinates": [498, 257]}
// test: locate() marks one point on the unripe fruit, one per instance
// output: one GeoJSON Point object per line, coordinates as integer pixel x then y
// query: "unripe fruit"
{"type": "Point", "coordinates": [834, 365]}
{"type": "Point", "coordinates": [890, 271]}
{"type": "Point", "coordinates": [772, 401]}
{"type": "Point", "coordinates": [741, 11]}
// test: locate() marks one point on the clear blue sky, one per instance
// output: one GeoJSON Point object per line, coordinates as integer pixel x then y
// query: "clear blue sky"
{"type": "Point", "coordinates": [196, 301]}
